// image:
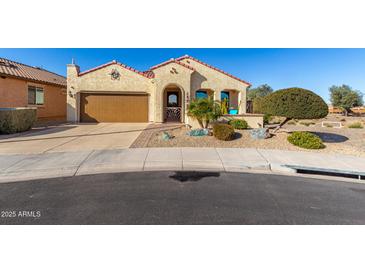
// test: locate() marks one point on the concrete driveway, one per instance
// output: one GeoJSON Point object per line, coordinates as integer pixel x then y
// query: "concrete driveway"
{"type": "Point", "coordinates": [72, 137]}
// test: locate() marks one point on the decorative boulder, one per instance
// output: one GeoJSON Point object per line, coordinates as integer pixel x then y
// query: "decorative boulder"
{"type": "Point", "coordinates": [166, 136]}
{"type": "Point", "coordinates": [259, 133]}
{"type": "Point", "coordinates": [198, 132]}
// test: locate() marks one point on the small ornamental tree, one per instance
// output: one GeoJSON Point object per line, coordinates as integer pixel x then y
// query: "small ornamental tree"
{"type": "Point", "coordinates": [205, 110]}
{"type": "Point", "coordinates": [294, 103]}
{"type": "Point", "coordinates": [258, 92]}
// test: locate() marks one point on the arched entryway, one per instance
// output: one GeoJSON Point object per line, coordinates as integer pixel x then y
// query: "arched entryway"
{"type": "Point", "coordinates": [173, 104]}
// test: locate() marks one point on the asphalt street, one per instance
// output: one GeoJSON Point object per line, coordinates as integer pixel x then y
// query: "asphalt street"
{"type": "Point", "coordinates": [182, 198]}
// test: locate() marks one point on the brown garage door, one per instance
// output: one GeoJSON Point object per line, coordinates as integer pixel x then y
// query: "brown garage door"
{"type": "Point", "coordinates": [113, 107]}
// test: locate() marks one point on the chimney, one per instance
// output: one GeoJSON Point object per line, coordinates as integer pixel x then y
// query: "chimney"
{"type": "Point", "coordinates": [73, 70]}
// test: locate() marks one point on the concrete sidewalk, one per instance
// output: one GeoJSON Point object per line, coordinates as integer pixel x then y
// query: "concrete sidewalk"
{"type": "Point", "coordinates": [59, 164]}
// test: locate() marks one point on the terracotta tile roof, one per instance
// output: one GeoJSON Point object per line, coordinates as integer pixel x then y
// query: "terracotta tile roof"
{"type": "Point", "coordinates": [150, 74]}
{"type": "Point", "coordinates": [172, 61]}
{"type": "Point", "coordinates": [209, 66]}
{"type": "Point", "coordinates": [147, 74]}
{"type": "Point", "coordinates": [18, 70]}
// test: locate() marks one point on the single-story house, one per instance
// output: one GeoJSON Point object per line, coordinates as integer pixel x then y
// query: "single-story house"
{"type": "Point", "coordinates": [24, 86]}
{"type": "Point", "coordinates": [114, 92]}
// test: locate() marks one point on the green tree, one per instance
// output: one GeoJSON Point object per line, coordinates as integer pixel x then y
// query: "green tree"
{"type": "Point", "coordinates": [294, 103]}
{"type": "Point", "coordinates": [345, 97]}
{"type": "Point", "coordinates": [205, 110]}
{"type": "Point", "coordinates": [260, 91]}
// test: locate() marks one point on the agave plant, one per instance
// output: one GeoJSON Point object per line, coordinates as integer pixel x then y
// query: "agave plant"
{"type": "Point", "coordinates": [205, 110]}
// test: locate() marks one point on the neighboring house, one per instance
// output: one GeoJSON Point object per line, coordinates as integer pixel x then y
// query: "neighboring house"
{"type": "Point", "coordinates": [334, 110]}
{"type": "Point", "coordinates": [358, 110]}
{"type": "Point", "coordinates": [23, 86]}
{"type": "Point", "coordinates": [114, 92]}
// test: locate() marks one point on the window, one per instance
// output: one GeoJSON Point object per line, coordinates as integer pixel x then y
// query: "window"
{"type": "Point", "coordinates": [225, 96]}
{"type": "Point", "coordinates": [35, 95]}
{"type": "Point", "coordinates": [172, 100]}
{"type": "Point", "coordinates": [201, 94]}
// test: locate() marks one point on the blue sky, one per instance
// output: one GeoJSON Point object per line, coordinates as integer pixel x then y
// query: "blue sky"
{"type": "Point", "coordinates": [314, 69]}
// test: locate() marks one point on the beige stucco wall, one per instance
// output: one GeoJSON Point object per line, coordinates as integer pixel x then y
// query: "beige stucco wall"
{"type": "Point", "coordinates": [253, 120]}
{"type": "Point", "coordinates": [208, 78]}
{"type": "Point", "coordinates": [171, 74]}
{"type": "Point", "coordinates": [100, 81]}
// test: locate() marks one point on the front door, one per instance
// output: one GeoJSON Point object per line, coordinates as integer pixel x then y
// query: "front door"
{"type": "Point", "coordinates": [173, 106]}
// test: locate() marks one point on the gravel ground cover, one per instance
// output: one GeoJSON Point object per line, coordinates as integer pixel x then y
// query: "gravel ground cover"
{"type": "Point", "coordinates": [337, 140]}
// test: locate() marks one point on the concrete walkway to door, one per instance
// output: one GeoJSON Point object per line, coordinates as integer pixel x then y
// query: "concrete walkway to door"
{"type": "Point", "coordinates": [72, 137]}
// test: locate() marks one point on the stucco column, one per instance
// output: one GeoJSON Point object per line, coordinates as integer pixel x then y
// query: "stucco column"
{"type": "Point", "coordinates": [72, 91]}
{"type": "Point", "coordinates": [159, 105]}
{"type": "Point", "coordinates": [217, 95]}
{"type": "Point", "coordinates": [242, 102]}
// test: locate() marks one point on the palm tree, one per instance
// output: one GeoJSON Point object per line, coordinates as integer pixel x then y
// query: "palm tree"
{"type": "Point", "coordinates": [205, 110]}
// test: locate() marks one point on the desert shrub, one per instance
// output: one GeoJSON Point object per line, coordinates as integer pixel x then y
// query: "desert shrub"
{"type": "Point", "coordinates": [257, 105]}
{"type": "Point", "coordinates": [307, 124]}
{"type": "Point", "coordinates": [305, 140]}
{"type": "Point", "coordinates": [238, 124]}
{"type": "Point", "coordinates": [356, 125]}
{"type": "Point", "coordinates": [267, 118]}
{"type": "Point", "coordinates": [294, 103]}
{"type": "Point", "coordinates": [13, 120]}
{"type": "Point", "coordinates": [223, 132]}
{"type": "Point", "coordinates": [292, 122]}
{"type": "Point", "coordinates": [328, 125]}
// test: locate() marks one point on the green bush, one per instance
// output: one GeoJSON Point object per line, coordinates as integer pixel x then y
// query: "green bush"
{"type": "Point", "coordinates": [293, 103]}
{"type": "Point", "coordinates": [356, 125]}
{"type": "Point", "coordinates": [267, 118]}
{"type": "Point", "coordinates": [257, 105]}
{"type": "Point", "coordinates": [307, 124]}
{"type": "Point", "coordinates": [305, 140]}
{"type": "Point", "coordinates": [238, 124]}
{"type": "Point", "coordinates": [223, 132]}
{"type": "Point", "coordinates": [13, 120]}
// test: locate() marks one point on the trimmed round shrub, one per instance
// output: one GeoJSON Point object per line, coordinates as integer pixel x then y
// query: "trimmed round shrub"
{"type": "Point", "coordinates": [223, 132]}
{"type": "Point", "coordinates": [238, 124]}
{"type": "Point", "coordinates": [13, 120]}
{"type": "Point", "coordinates": [294, 103]}
{"type": "Point", "coordinates": [305, 139]}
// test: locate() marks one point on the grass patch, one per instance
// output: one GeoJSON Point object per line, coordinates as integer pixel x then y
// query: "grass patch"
{"type": "Point", "coordinates": [356, 125]}
{"type": "Point", "coordinates": [307, 124]}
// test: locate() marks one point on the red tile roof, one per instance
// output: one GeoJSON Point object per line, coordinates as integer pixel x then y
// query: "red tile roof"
{"type": "Point", "coordinates": [147, 74]}
{"type": "Point", "coordinates": [150, 74]}
{"type": "Point", "coordinates": [18, 70]}
{"type": "Point", "coordinates": [209, 66]}
{"type": "Point", "coordinates": [172, 61]}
